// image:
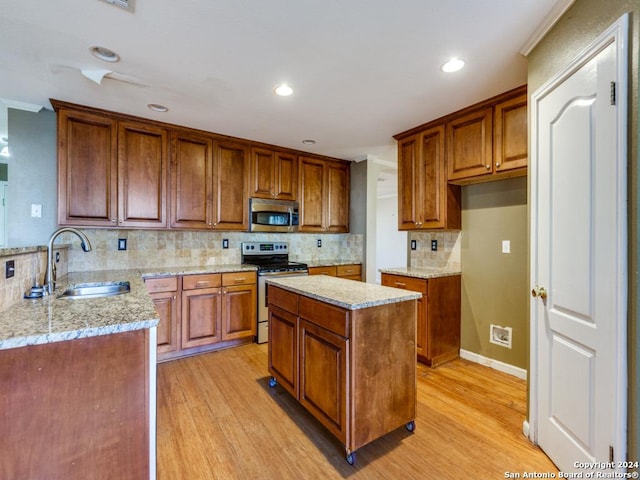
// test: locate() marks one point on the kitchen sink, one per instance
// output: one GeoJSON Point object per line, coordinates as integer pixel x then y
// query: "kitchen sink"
{"type": "Point", "coordinates": [98, 289]}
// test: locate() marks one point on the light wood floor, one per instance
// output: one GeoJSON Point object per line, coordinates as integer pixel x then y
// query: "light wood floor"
{"type": "Point", "coordinates": [218, 419]}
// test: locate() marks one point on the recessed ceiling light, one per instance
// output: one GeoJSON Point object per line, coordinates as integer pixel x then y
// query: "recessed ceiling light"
{"type": "Point", "coordinates": [309, 141]}
{"type": "Point", "coordinates": [453, 65]}
{"type": "Point", "coordinates": [104, 54]}
{"type": "Point", "coordinates": [283, 90]}
{"type": "Point", "coordinates": [156, 107]}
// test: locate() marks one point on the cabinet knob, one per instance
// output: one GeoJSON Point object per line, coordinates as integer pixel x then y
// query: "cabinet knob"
{"type": "Point", "coordinates": [488, 167]}
{"type": "Point", "coordinates": [113, 220]}
{"type": "Point", "coordinates": [497, 164]}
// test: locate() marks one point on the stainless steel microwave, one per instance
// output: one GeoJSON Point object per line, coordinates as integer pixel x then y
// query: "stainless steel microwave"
{"type": "Point", "coordinates": [279, 216]}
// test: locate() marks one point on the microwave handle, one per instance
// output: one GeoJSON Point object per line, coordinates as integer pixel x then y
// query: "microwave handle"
{"type": "Point", "coordinates": [290, 218]}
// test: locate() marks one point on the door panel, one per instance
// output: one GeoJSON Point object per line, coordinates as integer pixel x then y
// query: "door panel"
{"type": "Point", "coordinates": [578, 256]}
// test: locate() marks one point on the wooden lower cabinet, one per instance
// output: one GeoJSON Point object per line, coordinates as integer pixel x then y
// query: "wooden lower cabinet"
{"type": "Point", "coordinates": [352, 271]}
{"type": "Point", "coordinates": [438, 323]}
{"type": "Point", "coordinates": [203, 312]}
{"type": "Point", "coordinates": [353, 370]}
{"type": "Point", "coordinates": [164, 293]}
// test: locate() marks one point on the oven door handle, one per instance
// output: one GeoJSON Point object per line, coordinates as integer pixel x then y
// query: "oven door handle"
{"type": "Point", "coordinates": [297, 273]}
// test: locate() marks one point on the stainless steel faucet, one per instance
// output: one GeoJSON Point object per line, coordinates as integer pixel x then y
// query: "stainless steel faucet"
{"type": "Point", "coordinates": [50, 279]}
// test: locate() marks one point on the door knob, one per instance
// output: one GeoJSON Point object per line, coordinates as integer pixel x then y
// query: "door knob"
{"type": "Point", "coordinates": [539, 292]}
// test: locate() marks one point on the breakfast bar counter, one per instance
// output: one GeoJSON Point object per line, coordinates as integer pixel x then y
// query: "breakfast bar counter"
{"type": "Point", "coordinates": [346, 351]}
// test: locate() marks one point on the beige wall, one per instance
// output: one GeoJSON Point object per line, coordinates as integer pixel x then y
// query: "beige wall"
{"type": "Point", "coordinates": [578, 27]}
{"type": "Point", "coordinates": [494, 284]}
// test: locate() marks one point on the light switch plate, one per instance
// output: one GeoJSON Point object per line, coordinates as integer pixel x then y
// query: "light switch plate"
{"type": "Point", "coordinates": [36, 210]}
{"type": "Point", "coordinates": [506, 246]}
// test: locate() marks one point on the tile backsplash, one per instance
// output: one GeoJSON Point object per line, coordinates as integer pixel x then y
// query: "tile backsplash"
{"type": "Point", "coordinates": [158, 249]}
{"type": "Point", "coordinates": [447, 255]}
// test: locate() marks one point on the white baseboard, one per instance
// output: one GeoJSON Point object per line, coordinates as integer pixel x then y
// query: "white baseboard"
{"type": "Point", "coordinates": [495, 364]}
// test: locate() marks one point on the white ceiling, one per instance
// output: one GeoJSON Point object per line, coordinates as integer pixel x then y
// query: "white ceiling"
{"type": "Point", "coordinates": [362, 70]}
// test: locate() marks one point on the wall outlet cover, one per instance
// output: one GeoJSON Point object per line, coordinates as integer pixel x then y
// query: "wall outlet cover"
{"type": "Point", "coordinates": [122, 244]}
{"type": "Point", "coordinates": [414, 244]}
{"type": "Point", "coordinates": [434, 245]}
{"type": "Point", "coordinates": [10, 268]}
{"type": "Point", "coordinates": [225, 243]}
{"type": "Point", "coordinates": [319, 243]}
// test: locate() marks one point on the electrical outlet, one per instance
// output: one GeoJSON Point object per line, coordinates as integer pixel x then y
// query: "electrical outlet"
{"type": "Point", "coordinates": [225, 243]}
{"type": "Point", "coordinates": [434, 245]}
{"type": "Point", "coordinates": [57, 257]}
{"type": "Point", "coordinates": [414, 245]}
{"type": "Point", "coordinates": [122, 244]}
{"type": "Point", "coordinates": [10, 268]}
{"type": "Point", "coordinates": [36, 211]}
{"type": "Point", "coordinates": [506, 246]}
{"type": "Point", "coordinates": [319, 243]}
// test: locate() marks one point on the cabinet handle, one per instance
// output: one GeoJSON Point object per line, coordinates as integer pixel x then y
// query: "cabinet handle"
{"type": "Point", "coordinates": [497, 164]}
{"type": "Point", "coordinates": [488, 167]}
{"type": "Point", "coordinates": [400, 284]}
{"type": "Point", "coordinates": [174, 297]}
{"type": "Point", "coordinates": [239, 280]}
{"type": "Point", "coordinates": [202, 283]}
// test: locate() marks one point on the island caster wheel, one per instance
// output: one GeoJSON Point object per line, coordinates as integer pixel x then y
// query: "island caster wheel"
{"type": "Point", "coordinates": [411, 426]}
{"type": "Point", "coordinates": [351, 458]}
{"type": "Point", "coordinates": [272, 382]}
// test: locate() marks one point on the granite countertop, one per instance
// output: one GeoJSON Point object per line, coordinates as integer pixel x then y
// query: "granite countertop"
{"type": "Point", "coordinates": [422, 272]}
{"type": "Point", "coordinates": [344, 293]}
{"type": "Point", "coordinates": [170, 271]}
{"type": "Point", "coordinates": [52, 319]}
{"type": "Point", "coordinates": [329, 263]}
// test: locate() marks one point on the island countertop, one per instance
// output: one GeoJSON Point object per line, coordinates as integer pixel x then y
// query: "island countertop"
{"type": "Point", "coordinates": [52, 319]}
{"type": "Point", "coordinates": [422, 272]}
{"type": "Point", "coordinates": [344, 293]}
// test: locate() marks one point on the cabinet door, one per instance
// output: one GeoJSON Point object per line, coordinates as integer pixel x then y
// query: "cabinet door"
{"type": "Point", "coordinates": [87, 169]}
{"type": "Point", "coordinates": [142, 175]}
{"type": "Point", "coordinates": [409, 184]}
{"type": "Point", "coordinates": [311, 187]}
{"type": "Point", "coordinates": [201, 313]}
{"type": "Point", "coordinates": [239, 312]}
{"type": "Point", "coordinates": [168, 329]}
{"type": "Point", "coordinates": [510, 139]}
{"type": "Point", "coordinates": [283, 348]}
{"type": "Point", "coordinates": [191, 181]}
{"type": "Point", "coordinates": [323, 376]}
{"type": "Point", "coordinates": [286, 176]}
{"type": "Point", "coordinates": [337, 200]}
{"type": "Point", "coordinates": [231, 176]}
{"type": "Point", "coordinates": [470, 145]}
{"type": "Point", "coordinates": [433, 181]}
{"type": "Point", "coordinates": [262, 173]}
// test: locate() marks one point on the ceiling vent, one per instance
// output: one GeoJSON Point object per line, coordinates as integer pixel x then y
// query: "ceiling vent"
{"type": "Point", "coordinates": [125, 4]}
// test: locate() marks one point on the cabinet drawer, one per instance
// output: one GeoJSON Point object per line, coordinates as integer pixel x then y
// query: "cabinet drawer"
{"type": "Point", "coordinates": [334, 319]}
{"type": "Point", "coordinates": [238, 278]}
{"type": "Point", "coordinates": [191, 282]}
{"type": "Point", "coordinates": [405, 283]}
{"type": "Point", "coordinates": [349, 270]}
{"type": "Point", "coordinates": [322, 271]}
{"type": "Point", "coordinates": [282, 298]}
{"type": "Point", "coordinates": [161, 284]}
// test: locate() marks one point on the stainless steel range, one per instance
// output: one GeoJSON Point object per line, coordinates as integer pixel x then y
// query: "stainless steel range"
{"type": "Point", "coordinates": [272, 259]}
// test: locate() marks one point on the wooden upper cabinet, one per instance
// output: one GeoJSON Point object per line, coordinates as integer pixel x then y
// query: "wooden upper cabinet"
{"type": "Point", "coordinates": [510, 140]}
{"type": "Point", "coordinates": [208, 183]}
{"type": "Point", "coordinates": [230, 187]}
{"type": "Point", "coordinates": [191, 180]}
{"type": "Point", "coordinates": [273, 174]}
{"type": "Point", "coordinates": [426, 201]}
{"type": "Point", "coordinates": [87, 169]}
{"type": "Point", "coordinates": [324, 195]}
{"type": "Point", "coordinates": [470, 144]}
{"type": "Point", "coordinates": [142, 175]}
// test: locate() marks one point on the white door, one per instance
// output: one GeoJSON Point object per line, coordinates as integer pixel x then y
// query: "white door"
{"type": "Point", "coordinates": [578, 255]}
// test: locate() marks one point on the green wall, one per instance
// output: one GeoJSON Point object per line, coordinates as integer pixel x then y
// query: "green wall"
{"type": "Point", "coordinates": [577, 28]}
{"type": "Point", "coordinates": [494, 284]}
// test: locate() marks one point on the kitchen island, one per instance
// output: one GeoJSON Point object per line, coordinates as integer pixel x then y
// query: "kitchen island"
{"type": "Point", "coordinates": [77, 378]}
{"type": "Point", "coordinates": [346, 351]}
